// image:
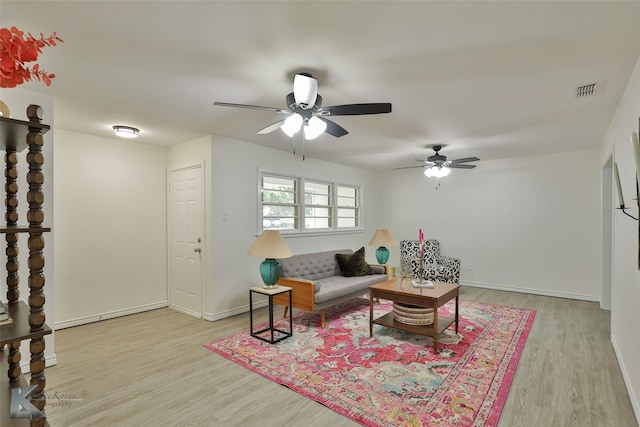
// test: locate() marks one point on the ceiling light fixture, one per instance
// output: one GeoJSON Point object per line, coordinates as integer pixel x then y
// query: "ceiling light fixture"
{"type": "Point", "coordinates": [292, 124]}
{"type": "Point", "coordinates": [126, 131]}
{"type": "Point", "coordinates": [437, 172]}
{"type": "Point", "coordinates": [314, 128]}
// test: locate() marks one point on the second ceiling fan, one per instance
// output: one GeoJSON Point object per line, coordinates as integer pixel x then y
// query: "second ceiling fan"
{"type": "Point", "coordinates": [305, 110]}
{"type": "Point", "coordinates": [438, 165]}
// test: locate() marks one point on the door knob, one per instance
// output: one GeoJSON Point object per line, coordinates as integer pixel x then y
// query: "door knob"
{"type": "Point", "coordinates": [197, 250]}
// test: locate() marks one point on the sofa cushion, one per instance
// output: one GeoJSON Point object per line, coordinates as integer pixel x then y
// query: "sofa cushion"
{"type": "Point", "coordinates": [353, 265]}
{"type": "Point", "coordinates": [339, 286]}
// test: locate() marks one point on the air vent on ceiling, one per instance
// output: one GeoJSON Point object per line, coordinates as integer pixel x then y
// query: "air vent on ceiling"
{"type": "Point", "coordinates": [586, 90]}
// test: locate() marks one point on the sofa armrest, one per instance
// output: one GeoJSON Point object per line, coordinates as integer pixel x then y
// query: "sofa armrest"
{"type": "Point", "coordinates": [379, 268]}
{"type": "Point", "coordinates": [302, 293]}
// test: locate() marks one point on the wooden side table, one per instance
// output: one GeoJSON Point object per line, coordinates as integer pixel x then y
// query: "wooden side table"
{"type": "Point", "coordinates": [271, 328]}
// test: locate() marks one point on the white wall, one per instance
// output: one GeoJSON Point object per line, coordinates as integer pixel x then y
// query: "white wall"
{"type": "Point", "coordinates": [625, 283]}
{"type": "Point", "coordinates": [18, 99]}
{"type": "Point", "coordinates": [528, 224]}
{"type": "Point", "coordinates": [236, 165]}
{"type": "Point", "coordinates": [110, 227]}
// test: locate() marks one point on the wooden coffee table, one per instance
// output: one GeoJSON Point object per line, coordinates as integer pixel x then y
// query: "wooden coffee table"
{"type": "Point", "coordinates": [397, 290]}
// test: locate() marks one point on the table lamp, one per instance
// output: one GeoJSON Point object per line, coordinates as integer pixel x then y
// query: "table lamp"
{"type": "Point", "coordinates": [382, 238]}
{"type": "Point", "coordinates": [270, 245]}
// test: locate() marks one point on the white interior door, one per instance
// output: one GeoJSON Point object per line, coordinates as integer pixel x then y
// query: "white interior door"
{"type": "Point", "coordinates": [185, 240]}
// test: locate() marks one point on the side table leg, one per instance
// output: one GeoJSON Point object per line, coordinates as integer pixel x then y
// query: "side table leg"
{"type": "Point", "coordinates": [291, 314]}
{"type": "Point", "coordinates": [271, 317]}
{"type": "Point", "coordinates": [250, 312]}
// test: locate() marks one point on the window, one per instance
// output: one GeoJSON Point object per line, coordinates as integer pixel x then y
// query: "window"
{"type": "Point", "coordinates": [279, 203]}
{"type": "Point", "coordinates": [317, 205]}
{"type": "Point", "coordinates": [348, 207]}
{"type": "Point", "coordinates": [298, 204]}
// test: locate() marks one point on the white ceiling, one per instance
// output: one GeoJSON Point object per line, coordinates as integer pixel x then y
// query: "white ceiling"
{"type": "Point", "coordinates": [485, 79]}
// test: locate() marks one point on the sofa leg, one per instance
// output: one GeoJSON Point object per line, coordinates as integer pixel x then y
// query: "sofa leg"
{"type": "Point", "coordinates": [322, 320]}
{"type": "Point", "coordinates": [286, 309]}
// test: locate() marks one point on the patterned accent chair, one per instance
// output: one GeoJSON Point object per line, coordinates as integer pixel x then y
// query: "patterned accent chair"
{"type": "Point", "coordinates": [436, 266]}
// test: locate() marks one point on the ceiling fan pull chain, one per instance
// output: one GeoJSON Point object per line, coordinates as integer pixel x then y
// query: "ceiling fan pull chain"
{"type": "Point", "coordinates": [294, 144]}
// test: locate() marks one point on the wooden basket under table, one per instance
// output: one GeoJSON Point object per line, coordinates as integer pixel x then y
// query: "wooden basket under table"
{"type": "Point", "coordinates": [412, 315]}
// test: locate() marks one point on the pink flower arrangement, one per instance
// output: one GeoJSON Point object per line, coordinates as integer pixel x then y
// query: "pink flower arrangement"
{"type": "Point", "coordinates": [17, 49]}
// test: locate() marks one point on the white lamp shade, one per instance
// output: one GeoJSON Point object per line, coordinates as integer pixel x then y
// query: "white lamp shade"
{"type": "Point", "coordinates": [314, 128]}
{"type": "Point", "coordinates": [126, 131]}
{"type": "Point", "coordinates": [305, 90]}
{"type": "Point", "coordinates": [437, 171]}
{"type": "Point", "coordinates": [292, 124]}
{"type": "Point", "coordinates": [270, 244]}
{"type": "Point", "coordinates": [382, 237]}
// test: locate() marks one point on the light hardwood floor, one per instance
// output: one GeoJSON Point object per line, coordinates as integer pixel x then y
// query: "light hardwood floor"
{"type": "Point", "coordinates": [151, 369]}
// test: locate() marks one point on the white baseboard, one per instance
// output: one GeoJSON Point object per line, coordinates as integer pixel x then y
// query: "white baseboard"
{"type": "Point", "coordinates": [184, 311]}
{"type": "Point", "coordinates": [109, 315]}
{"type": "Point", "coordinates": [212, 317]}
{"type": "Point", "coordinates": [542, 292]}
{"type": "Point", "coordinates": [627, 381]}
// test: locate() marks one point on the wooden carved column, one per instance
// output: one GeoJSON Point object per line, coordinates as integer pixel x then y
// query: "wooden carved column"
{"type": "Point", "coordinates": [35, 217]}
{"type": "Point", "coordinates": [11, 218]}
{"type": "Point", "coordinates": [13, 279]}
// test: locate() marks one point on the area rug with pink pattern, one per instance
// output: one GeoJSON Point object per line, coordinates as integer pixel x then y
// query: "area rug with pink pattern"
{"type": "Point", "coordinates": [394, 378]}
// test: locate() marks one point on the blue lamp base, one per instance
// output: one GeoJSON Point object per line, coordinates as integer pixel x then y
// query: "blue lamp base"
{"type": "Point", "coordinates": [270, 272]}
{"type": "Point", "coordinates": [382, 255]}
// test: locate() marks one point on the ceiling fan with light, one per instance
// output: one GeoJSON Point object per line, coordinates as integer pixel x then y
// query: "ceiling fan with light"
{"type": "Point", "coordinates": [438, 166]}
{"type": "Point", "coordinates": [305, 110]}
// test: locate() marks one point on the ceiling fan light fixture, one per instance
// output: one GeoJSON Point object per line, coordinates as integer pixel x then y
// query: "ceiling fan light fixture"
{"type": "Point", "coordinates": [314, 128]}
{"type": "Point", "coordinates": [437, 172]}
{"type": "Point", "coordinates": [292, 124]}
{"type": "Point", "coordinates": [305, 90]}
{"type": "Point", "coordinates": [126, 131]}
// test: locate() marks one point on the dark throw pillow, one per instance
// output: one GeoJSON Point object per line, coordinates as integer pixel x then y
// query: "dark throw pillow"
{"type": "Point", "coordinates": [354, 264]}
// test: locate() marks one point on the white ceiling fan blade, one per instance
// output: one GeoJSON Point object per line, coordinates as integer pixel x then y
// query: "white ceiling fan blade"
{"type": "Point", "coordinates": [305, 90]}
{"type": "Point", "coordinates": [254, 107]}
{"type": "Point", "coordinates": [271, 128]}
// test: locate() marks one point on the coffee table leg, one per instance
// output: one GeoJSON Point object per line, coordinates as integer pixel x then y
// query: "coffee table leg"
{"type": "Point", "coordinates": [456, 313]}
{"type": "Point", "coordinates": [370, 314]}
{"type": "Point", "coordinates": [435, 330]}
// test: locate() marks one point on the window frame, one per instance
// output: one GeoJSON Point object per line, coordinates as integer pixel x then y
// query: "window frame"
{"type": "Point", "coordinates": [300, 227]}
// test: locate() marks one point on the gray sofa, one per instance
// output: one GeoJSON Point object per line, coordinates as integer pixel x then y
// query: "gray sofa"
{"type": "Point", "coordinates": [317, 281]}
